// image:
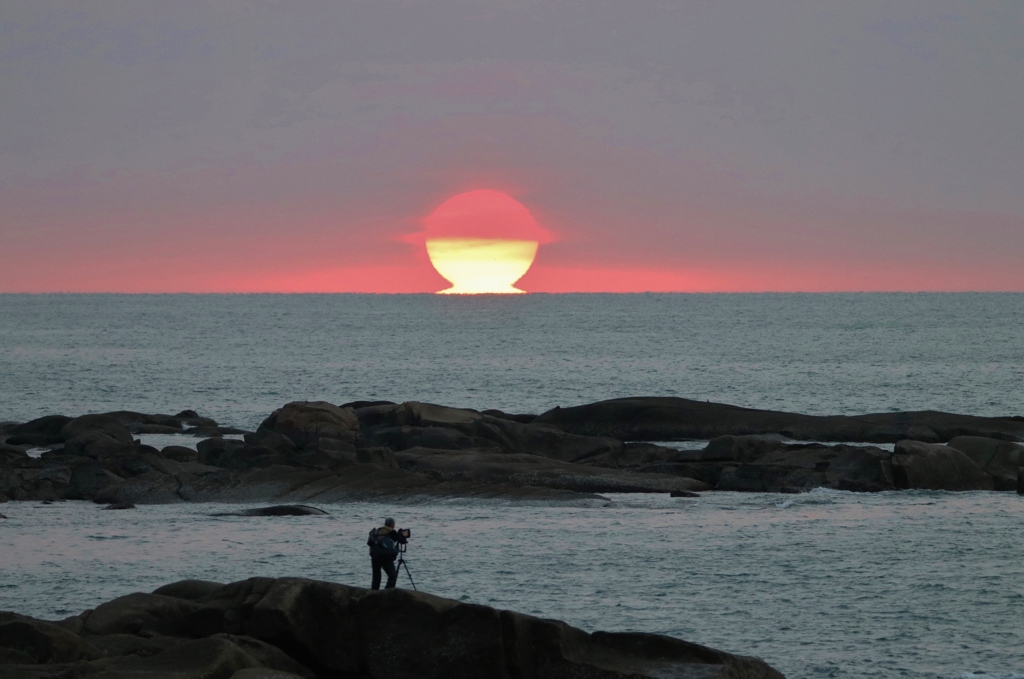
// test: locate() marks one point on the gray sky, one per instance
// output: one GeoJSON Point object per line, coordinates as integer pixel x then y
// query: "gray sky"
{"type": "Point", "coordinates": [800, 144]}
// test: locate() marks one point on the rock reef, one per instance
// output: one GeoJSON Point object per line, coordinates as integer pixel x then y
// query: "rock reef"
{"type": "Point", "coordinates": [321, 452]}
{"type": "Point", "coordinates": [284, 628]}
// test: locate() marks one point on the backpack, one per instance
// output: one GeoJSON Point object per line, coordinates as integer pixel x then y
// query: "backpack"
{"type": "Point", "coordinates": [384, 549]}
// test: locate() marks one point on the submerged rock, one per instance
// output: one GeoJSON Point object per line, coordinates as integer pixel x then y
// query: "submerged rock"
{"type": "Point", "coordinates": [265, 627]}
{"type": "Point", "coordinates": [277, 510]}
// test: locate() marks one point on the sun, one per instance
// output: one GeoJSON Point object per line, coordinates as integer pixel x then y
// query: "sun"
{"type": "Point", "coordinates": [482, 242]}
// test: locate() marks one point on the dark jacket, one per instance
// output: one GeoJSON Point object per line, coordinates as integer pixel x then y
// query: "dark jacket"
{"type": "Point", "coordinates": [383, 531]}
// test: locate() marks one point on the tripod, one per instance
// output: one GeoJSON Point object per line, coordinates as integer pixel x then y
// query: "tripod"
{"type": "Point", "coordinates": [401, 563]}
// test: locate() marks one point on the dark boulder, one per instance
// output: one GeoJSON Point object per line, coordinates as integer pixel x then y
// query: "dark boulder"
{"type": "Point", "coordinates": [337, 630]}
{"type": "Point", "coordinates": [190, 590]}
{"type": "Point", "coordinates": [738, 448]}
{"type": "Point", "coordinates": [304, 422]}
{"type": "Point", "coordinates": [120, 506]}
{"type": "Point", "coordinates": [98, 444]}
{"type": "Point", "coordinates": [277, 510]}
{"type": "Point", "coordinates": [356, 405]}
{"type": "Point", "coordinates": [936, 467]}
{"type": "Point", "coordinates": [88, 478]}
{"type": "Point", "coordinates": [428, 425]}
{"type": "Point", "coordinates": [267, 438]}
{"type": "Point", "coordinates": [520, 469]}
{"type": "Point", "coordinates": [142, 614]}
{"type": "Point", "coordinates": [233, 454]}
{"type": "Point", "coordinates": [42, 642]}
{"type": "Point", "coordinates": [442, 438]}
{"type": "Point", "coordinates": [1000, 459]}
{"type": "Point", "coordinates": [180, 454]}
{"type": "Point", "coordinates": [521, 418]}
{"type": "Point", "coordinates": [38, 432]}
{"type": "Point", "coordinates": [35, 480]}
{"type": "Point", "coordinates": [669, 419]}
{"type": "Point", "coordinates": [108, 425]}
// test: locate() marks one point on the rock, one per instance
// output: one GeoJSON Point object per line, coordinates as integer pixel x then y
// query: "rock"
{"type": "Point", "coordinates": [36, 480]}
{"type": "Point", "coordinates": [39, 432]}
{"type": "Point", "coordinates": [441, 438]}
{"type": "Point", "coordinates": [356, 405]}
{"type": "Point", "coordinates": [304, 422]}
{"type": "Point", "coordinates": [153, 487]}
{"type": "Point", "coordinates": [156, 429]}
{"type": "Point", "coordinates": [43, 642]}
{"type": "Point", "coordinates": [190, 590]}
{"type": "Point", "coordinates": [860, 469]}
{"type": "Point", "coordinates": [1000, 459]}
{"type": "Point", "coordinates": [268, 438]}
{"type": "Point", "coordinates": [233, 454]}
{"type": "Point", "coordinates": [142, 614]}
{"type": "Point", "coordinates": [520, 418]}
{"type": "Point", "coordinates": [1020, 481]}
{"type": "Point", "coordinates": [936, 467]}
{"type": "Point", "coordinates": [336, 630]}
{"type": "Point", "coordinates": [426, 425]}
{"type": "Point", "coordinates": [205, 432]}
{"type": "Point", "coordinates": [120, 505]}
{"type": "Point", "coordinates": [136, 421]}
{"type": "Point", "coordinates": [738, 448]}
{"type": "Point", "coordinates": [97, 444]}
{"type": "Point", "coordinates": [277, 510]}
{"type": "Point", "coordinates": [88, 479]}
{"type": "Point", "coordinates": [107, 425]}
{"type": "Point", "coordinates": [669, 419]}
{"type": "Point", "coordinates": [683, 493]}
{"type": "Point", "coordinates": [180, 454]}
{"type": "Point", "coordinates": [489, 467]}
{"type": "Point", "coordinates": [377, 456]}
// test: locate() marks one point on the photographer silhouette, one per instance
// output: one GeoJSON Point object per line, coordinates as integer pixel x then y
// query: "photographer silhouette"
{"type": "Point", "coordinates": [384, 549]}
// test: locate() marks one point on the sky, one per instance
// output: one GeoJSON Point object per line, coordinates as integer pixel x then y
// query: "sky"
{"type": "Point", "coordinates": [265, 146]}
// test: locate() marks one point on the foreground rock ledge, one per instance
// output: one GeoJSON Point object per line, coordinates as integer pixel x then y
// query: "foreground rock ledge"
{"type": "Point", "coordinates": [292, 627]}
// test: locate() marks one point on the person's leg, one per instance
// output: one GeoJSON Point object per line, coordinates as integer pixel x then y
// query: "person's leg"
{"type": "Point", "coordinates": [389, 568]}
{"type": "Point", "coordinates": [376, 574]}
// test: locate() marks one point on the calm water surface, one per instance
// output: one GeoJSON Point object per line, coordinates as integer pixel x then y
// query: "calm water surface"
{"type": "Point", "coordinates": [821, 585]}
{"type": "Point", "coordinates": [826, 584]}
{"type": "Point", "coordinates": [237, 357]}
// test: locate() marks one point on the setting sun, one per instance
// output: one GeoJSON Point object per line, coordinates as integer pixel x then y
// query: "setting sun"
{"type": "Point", "coordinates": [482, 242]}
{"type": "Point", "coordinates": [475, 266]}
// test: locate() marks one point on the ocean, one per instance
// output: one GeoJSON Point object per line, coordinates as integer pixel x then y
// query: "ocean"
{"type": "Point", "coordinates": [826, 584]}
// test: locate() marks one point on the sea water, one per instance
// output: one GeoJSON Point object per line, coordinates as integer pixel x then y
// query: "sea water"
{"type": "Point", "coordinates": [826, 584]}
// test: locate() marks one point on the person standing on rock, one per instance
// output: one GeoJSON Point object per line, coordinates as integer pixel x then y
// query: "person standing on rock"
{"type": "Point", "coordinates": [383, 543]}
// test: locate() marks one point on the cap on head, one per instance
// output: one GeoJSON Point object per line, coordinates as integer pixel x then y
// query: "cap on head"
{"type": "Point", "coordinates": [389, 522]}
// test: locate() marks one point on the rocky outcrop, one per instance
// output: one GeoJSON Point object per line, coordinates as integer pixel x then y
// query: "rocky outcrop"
{"type": "Point", "coordinates": [315, 451]}
{"type": "Point", "coordinates": [291, 627]}
{"type": "Point", "coordinates": [999, 459]}
{"type": "Point", "coordinates": [305, 422]}
{"type": "Point", "coordinates": [935, 467]}
{"type": "Point", "coordinates": [425, 425]}
{"type": "Point", "coordinates": [670, 419]}
{"type": "Point", "coordinates": [487, 467]}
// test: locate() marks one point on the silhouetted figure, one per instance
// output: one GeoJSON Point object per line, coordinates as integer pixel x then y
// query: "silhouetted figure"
{"type": "Point", "coordinates": [383, 543]}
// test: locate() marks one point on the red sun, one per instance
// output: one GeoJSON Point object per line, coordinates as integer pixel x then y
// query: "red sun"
{"type": "Point", "coordinates": [482, 242]}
